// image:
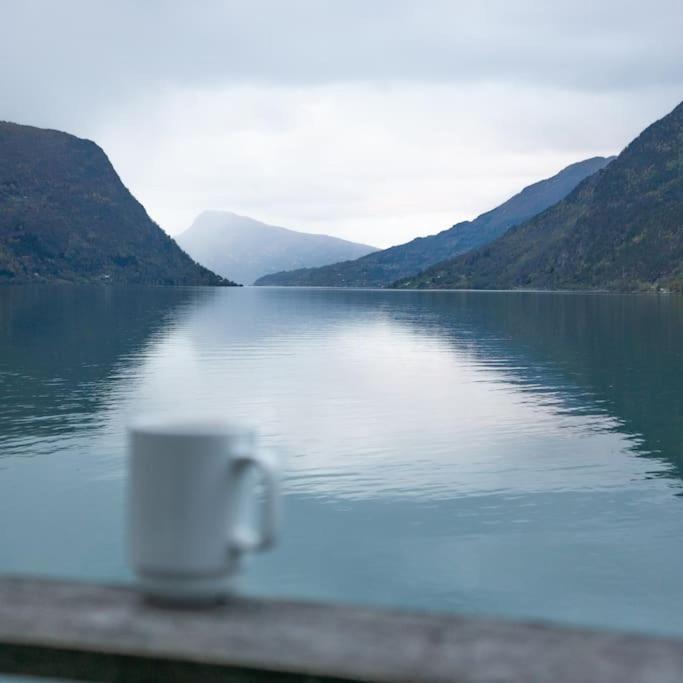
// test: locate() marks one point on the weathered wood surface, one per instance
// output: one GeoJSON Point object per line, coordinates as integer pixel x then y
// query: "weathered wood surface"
{"type": "Point", "coordinates": [108, 633]}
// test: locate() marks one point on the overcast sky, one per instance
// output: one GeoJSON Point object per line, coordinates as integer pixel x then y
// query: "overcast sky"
{"type": "Point", "coordinates": [371, 120]}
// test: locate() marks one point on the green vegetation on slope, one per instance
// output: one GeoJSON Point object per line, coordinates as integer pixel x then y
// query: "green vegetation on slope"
{"type": "Point", "coordinates": [620, 229]}
{"type": "Point", "coordinates": [65, 216]}
{"type": "Point", "coordinates": [382, 268]}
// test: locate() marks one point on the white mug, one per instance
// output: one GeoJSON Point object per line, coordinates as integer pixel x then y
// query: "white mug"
{"type": "Point", "coordinates": [186, 477]}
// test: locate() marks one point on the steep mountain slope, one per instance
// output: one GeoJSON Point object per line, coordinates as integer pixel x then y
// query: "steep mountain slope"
{"type": "Point", "coordinates": [383, 267]}
{"type": "Point", "coordinates": [65, 216]}
{"type": "Point", "coordinates": [620, 229]}
{"type": "Point", "coordinates": [246, 249]}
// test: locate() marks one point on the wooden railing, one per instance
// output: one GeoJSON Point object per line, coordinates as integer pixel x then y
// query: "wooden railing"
{"type": "Point", "coordinates": [108, 633]}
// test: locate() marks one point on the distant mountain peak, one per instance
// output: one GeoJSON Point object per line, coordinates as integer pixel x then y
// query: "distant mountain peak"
{"type": "Point", "coordinates": [246, 249]}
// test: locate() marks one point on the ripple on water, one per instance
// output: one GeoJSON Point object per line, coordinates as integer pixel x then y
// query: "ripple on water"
{"type": "Point", "coordinates": [503, 453]}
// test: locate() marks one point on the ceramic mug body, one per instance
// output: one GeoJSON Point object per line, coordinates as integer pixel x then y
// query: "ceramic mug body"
{"type": "Point", "coordinates": [185, 481]}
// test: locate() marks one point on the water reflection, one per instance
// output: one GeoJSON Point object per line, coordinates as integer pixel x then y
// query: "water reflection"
{"type": "Point", "coordinates": [62, 350]}
{"type": "Point", "coordinates": [499, 453]}
{"type": "Point", "coordinates": [418, 394]}
{"type": "Point", "coordinates": [615, 355]}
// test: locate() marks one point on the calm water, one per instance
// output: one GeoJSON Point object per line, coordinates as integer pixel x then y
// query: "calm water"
{"type": "Point", "coordinates": [514, 454]}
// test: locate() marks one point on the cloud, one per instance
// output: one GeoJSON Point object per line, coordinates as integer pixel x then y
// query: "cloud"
{"type": "Point", "coordinates": [379, 164]}
{"type": "Point", "coordinates": [374, 120]}
{"type": "Point", "coordinates": [76, 57]}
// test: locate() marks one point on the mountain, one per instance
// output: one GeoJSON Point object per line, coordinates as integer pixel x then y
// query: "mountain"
{"type": "Point", "coordinates": [619, 229]}
{"type": "Point", "coordinates": [65, 216]}
{"type": "Point", "coordinates": [246, 249]}
{"type": "Point", "coordinates": [384, 267]}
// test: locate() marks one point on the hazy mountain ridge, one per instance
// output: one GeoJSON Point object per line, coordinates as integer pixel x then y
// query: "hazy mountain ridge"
{"type": "Point", "coordinates": [620, 229]}
{"type": "Point", "coordinates": [382, 268]}
{"type": "Point", "coordinates": [245, 249]}
{"type": "Point", "coordinates": [65, 216]}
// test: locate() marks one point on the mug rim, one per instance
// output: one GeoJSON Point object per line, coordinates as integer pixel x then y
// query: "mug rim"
{"type": "Point", "coordinates": [192, 425]}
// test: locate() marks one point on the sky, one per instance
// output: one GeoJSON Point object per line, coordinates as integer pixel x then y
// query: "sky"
{"type": "Point", "coordinates": [371, 120]}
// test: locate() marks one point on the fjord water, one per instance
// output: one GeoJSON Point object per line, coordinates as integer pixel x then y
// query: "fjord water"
{"type": "Point", "coordinates": [513, 454]}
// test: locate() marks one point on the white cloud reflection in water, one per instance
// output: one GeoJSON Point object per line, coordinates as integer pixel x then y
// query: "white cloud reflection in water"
{"type": "Point", "coordinates": [366, 404]}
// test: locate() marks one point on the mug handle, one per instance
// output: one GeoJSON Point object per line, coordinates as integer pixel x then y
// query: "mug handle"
{"type": "Point", "coordinates": [243, 538]}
